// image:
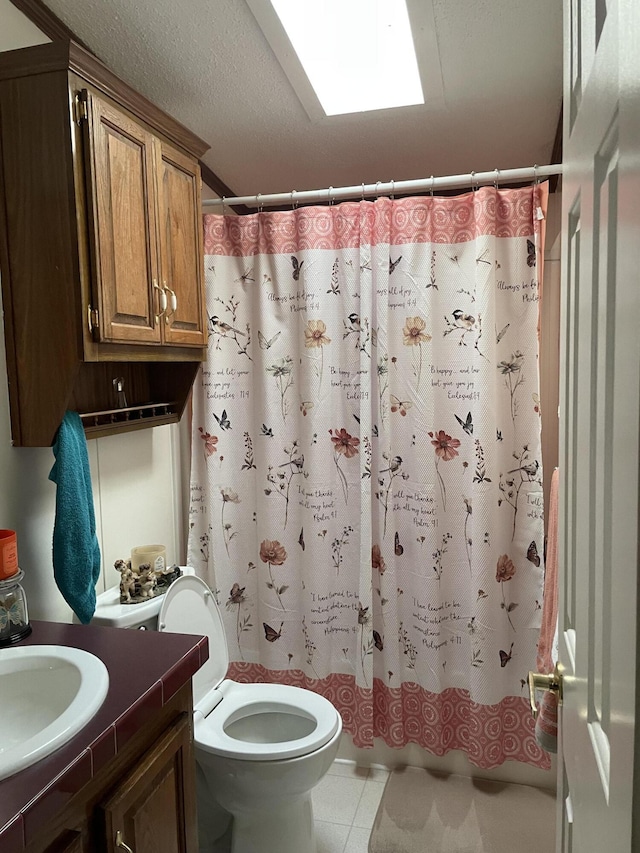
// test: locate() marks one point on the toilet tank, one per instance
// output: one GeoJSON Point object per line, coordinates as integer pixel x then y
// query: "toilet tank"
{"type": "Point", "coordinates": [143, 615]}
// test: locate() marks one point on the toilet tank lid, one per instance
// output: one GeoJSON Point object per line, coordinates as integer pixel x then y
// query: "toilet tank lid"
{"type": "Point", "coordinates": [189, 607]}
{"type": "Point", "coordinates": [111, 613]}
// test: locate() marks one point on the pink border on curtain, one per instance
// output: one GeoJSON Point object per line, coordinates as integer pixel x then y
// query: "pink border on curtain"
{"type": "Point", "coordinates": [438, 722]}
{"type": "Point", "coordinates": [503, 213]}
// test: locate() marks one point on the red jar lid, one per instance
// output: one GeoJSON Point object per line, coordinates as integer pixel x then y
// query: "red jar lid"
{"type": "Point", "coordinates": [8, 554]}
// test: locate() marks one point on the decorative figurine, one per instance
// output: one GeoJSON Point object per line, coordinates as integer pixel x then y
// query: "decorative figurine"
{"type": "Point", "coordinates": [141, 585]}
{"type": "Point", "coordinates": [127, 584]}
{"type": "Point", "coordinates": [146, 581]}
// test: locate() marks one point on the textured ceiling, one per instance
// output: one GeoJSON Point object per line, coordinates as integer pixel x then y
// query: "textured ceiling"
{"type": "Point", "coordinates": [207, 63]}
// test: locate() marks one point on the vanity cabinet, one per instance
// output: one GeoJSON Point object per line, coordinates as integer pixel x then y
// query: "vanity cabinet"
{"type": "Point", "coordinates": [145, 801]}
{"type": "Point", "coordinates": [70, 843]}
{"type": "Point", "coordinates": [148, 810]}
{"type": "Point", "coordinates": [101, 250]}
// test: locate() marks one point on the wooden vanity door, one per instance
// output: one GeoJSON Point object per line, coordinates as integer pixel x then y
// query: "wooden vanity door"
{"type": "Point", "coordinates": [153, 809]}
{"type": "Point", "coordinates": [72, 842]}
{"type": "Point", "coordinates": [122, 224]}
{"type": "Point", "coordinates": [181, 249]}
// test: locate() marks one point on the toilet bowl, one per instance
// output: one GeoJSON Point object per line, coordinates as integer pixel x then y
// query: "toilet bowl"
{"type": "Point", "coordinates": [260, 748]}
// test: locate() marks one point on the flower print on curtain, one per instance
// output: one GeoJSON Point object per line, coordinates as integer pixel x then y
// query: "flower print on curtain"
{"type": "Point", "coordinates": [366, 467]}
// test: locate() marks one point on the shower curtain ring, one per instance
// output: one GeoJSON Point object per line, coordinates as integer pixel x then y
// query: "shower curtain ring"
{"type": "Point", "coordinates": [330, 195]}
{"type": "Point", "coordinates": [294, 204]}
{"type": "Point", "coordinates": [363, 191]}
{"type": "Point", "coordinates": [224, 198]}
{"type": "Point", "coordinates": [535, 174]}
{"type": "Point", "coordinates": [474, 185]}
{"type": "Point", "coordinates": [259, 203]}
{"type": "Point", "coordinates": [433, 180]}
{"type": "Point", "coordinates": [393, 184]}
{"type": "Point", "coordinates": [377, 185]}
{"type": "Point", "coordinates": [495, 182]}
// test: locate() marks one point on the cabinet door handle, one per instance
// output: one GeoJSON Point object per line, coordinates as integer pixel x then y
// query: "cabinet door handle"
{"type": "Point", "coordinates": [173, 301]}
{"type": "Point", "coordinates": [121, 844]}
{"type": "Point", "coordinates": [162, 300]}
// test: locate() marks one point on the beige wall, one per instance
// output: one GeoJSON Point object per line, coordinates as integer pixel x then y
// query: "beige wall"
{"type": "Point", "coordinates": [137, 477]}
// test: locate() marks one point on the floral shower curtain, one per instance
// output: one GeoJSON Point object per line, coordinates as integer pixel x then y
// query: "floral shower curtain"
{"type": "Point", "coordinates": [366, 490]}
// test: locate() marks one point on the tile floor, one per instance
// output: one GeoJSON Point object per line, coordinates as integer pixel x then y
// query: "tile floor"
{"type": "Point", "coordinates": [345, 805]}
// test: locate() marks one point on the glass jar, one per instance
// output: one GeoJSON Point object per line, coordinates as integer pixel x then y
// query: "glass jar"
{"type": "Point", "coordinates": [14, 617]}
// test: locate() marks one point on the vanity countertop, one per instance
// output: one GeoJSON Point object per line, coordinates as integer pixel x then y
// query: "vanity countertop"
{"type": "Point", "coordinates": [146, 669]}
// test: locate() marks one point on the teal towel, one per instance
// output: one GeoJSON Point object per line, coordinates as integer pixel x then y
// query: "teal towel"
{"type": "Point", "coordinates": [76, 552]}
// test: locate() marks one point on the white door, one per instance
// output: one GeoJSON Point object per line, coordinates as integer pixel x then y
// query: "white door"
{"type": "Point", "coordinates": [599, 424]}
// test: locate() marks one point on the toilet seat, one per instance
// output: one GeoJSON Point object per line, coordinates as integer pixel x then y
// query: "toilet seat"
{"type": "Point", "coordinates": [189, 607]}
{"type": "Point", "coordinates": [304, 721]}
{"type": "Point", "coordinates": [250, 722]}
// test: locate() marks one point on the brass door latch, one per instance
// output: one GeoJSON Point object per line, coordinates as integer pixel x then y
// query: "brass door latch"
{"type": "Point", "coordinates": [552, 682]}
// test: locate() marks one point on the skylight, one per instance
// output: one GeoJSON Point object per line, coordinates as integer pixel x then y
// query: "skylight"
{"type": "Point", "coordinates": [358, 54]}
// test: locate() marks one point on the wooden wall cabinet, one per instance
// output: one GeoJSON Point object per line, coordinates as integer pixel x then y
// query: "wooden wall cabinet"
{"type": "Point", "coordinates": [102, 257]}
{"type": "Point", "coordinates": [144, 225]}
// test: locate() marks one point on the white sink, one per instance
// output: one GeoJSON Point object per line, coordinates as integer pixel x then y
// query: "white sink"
{"type": "Point", "coordinates": [48, 694]}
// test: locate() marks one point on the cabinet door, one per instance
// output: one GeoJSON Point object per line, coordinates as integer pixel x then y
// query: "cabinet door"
{"type": "Point", "coordinates": [122, 224]}
{"type": "Point", "coordinates": [73, 845]}
{"type": "Point", "coordinates": [71, 842]}
{"type": "Point", "coordinates": [181, 250]}
{"type": "Point", "coordinates": [153, 808]}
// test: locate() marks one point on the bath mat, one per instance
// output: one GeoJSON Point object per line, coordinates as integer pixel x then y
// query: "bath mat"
{"type": "Point", "coordinates": [426, 812]}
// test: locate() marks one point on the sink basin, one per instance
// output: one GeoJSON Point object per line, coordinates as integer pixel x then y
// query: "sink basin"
{"type": "Point", "coordinates": [48, 694]}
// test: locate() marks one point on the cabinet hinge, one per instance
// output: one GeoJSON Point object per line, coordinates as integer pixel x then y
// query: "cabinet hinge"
{"type": "Point", "coordinates": [93, 318]}
{"type": "Point", "coordinates": [81, 107]}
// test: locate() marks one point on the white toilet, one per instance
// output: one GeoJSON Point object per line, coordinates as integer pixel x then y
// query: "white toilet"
{"type": "Point", "coordinates": [260, 748]}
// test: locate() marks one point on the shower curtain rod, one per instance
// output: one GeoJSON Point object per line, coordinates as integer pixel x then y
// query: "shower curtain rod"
{"type": "Point", "coordinates": [332, 194]}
